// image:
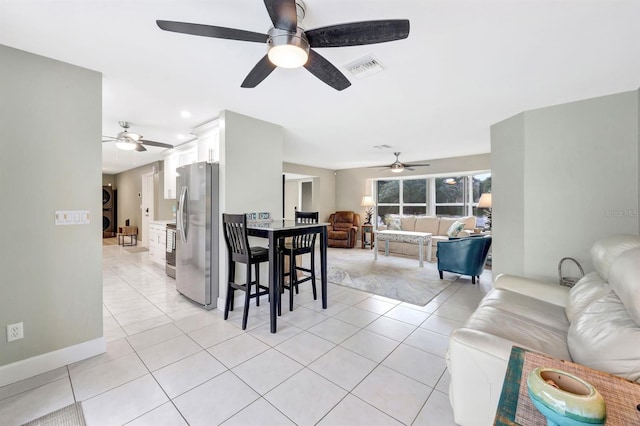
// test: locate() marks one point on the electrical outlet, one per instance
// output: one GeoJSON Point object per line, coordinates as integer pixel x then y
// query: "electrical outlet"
{"type": "Point", "coordinates": [14, 332]}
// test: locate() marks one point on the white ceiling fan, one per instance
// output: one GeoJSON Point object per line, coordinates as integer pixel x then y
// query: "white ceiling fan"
{"type": "Point", "coordinates": [130, 141]}
{"type": "Point", "coordinates": [398, 167]}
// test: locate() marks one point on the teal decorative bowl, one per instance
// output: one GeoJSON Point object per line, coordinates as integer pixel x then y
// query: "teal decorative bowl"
{"type": "Point", "coordinates": [564, 399]}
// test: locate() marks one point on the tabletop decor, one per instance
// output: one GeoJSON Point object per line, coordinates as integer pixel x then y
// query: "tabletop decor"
{"type": "Point", "coordinates": [565, 399]}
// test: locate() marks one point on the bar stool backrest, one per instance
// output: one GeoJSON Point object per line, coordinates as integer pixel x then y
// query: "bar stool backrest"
{"type": "Point", "coordinates": [236, 237]}
{"type": "Point", "coordinates": [308, 240]}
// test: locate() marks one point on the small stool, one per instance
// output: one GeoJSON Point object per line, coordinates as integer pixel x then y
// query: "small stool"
{"type": "Point", "coordinates": [128, 231]}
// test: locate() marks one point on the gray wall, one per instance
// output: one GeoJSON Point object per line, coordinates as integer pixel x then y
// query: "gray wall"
{"type": "Point", "coordinates": [324, 187]}
{"type": "Point", "coordinates": [129, 185]}
{"type": "Point", "coordinates": [353, 184]}
{"type": "Point", "coordinates": [563, 177]}
{"type": "Point", "coordinates": [50, 127]}
{"type": "Point", "coordinates": [250, 177]}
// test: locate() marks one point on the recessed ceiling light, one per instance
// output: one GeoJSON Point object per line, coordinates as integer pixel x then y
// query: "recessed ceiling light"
{"type": "Point", "coordinates": [185, 114]}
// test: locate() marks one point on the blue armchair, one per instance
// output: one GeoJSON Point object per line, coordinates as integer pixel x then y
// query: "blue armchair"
{"type": "Point", "coordinates": [465, 256]}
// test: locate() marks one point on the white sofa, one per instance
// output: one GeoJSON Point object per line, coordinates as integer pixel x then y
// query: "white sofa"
{"type": "Point", "coordinates": [595, 323]}
{"type": "Point", "coordinates": [437, 226]}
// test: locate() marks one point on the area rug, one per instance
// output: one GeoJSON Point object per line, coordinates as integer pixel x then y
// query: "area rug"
{"type": "Point", "coordinates": [71, 415]}
{"type": "Point", "coordinates": [136, 249]}
{"type": "Point", "coordinates": [396, 277]}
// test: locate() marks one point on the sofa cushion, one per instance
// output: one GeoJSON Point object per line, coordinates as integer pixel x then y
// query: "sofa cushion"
{"type": "Point", "coordinates": [445, 224]}
{"type": "Point", "coordinates": [455, 229]}
{"type": "Point", "coordinates": [408, 222]}
{"type": "Point", "coordinates": [624, 279]}
{"type": "Point", "coordinates": [427, 224]}
{"type": "Point", "coordinates": [605, 251]}
{"type": "Point", "coordinates": [587, 290]}
{"type": "Point", "coordinates": [605, 337]}
{"type": "Point", "coordinates": [523, 321]}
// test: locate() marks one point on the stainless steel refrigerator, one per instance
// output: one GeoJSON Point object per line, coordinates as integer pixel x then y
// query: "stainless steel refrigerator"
{"type": "Point", "coordinates": [197, 233]}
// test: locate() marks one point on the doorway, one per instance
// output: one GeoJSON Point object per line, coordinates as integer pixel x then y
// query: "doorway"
{"type": "Point", "coordinates": [297, 194]}
{"type": "Point", "coordinates": [146, 205]}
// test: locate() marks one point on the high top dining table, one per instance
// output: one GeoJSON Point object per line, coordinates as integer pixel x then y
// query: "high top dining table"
{"type": "Point", "coordinates": [276, 231]}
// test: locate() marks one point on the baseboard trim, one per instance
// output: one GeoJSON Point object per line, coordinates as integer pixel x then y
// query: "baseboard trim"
{"type": "Point", "coordinates": [39, 364]}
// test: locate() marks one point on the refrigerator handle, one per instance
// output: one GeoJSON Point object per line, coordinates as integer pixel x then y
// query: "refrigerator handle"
{"type": "Point", "coordinates": [183, 214]}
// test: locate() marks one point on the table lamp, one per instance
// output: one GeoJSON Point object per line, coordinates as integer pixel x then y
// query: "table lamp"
{"type": "Point", "coordinates": [367, 201]}
{"type": "Point", "coordinates": [485, 203]}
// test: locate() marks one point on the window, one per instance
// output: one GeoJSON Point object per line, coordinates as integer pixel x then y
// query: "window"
{"type": "Point", "coordinates": [414, 196]}
{"type": "Point", "coordinates": [388, 197]}
{"type": "Point", "coordinates": [481, 185]}
{"type": "Point", "coordinates": [441, 196]}
{"type": "Point", "coordinates": [408, 196]}
{"type": "Point", "coordinates": [450, 196]}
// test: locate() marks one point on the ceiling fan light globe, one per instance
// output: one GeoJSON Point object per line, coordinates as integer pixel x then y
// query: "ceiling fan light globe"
{"type": "Point", "coordinates": [125, 145]}
{"type": "Point", "coordinates": [287, 50]}
{"type": "Point", "coordinates": [397, 168]}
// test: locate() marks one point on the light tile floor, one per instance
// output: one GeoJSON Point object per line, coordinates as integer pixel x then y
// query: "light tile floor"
{"type": "Point", "coordinates": [366, 360]}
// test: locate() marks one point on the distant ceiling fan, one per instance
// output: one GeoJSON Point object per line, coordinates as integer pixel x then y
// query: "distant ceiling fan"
{"type": "Point", "coordinates": [289, 46]}
{"type": "Point", "coordinates": [130, 141]}
{"type": "Point", "coordinates": [398, 167]}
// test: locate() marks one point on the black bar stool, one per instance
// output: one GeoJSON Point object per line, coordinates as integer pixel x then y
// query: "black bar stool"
{"type": "Point", "coordinates": [237, 240]}
{"type": "Point", "coordinates": [299, 245]}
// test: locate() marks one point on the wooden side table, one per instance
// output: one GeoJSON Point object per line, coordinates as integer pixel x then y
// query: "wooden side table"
{"type": "Point", "coordinates": [128, 231]}
{"type": "Point", "coordinates": [367, 229]}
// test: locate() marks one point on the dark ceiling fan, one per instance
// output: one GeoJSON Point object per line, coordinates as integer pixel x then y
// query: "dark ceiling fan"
{"type": "Point", "coordinates": [130, 141]}
{"type": "Point", "coordinates": [289, 46]}
{"type": "Point", "coordinates": [398, 167]}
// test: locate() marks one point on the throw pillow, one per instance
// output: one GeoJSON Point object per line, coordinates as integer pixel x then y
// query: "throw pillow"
{"type": "Point", "coordinates": [455, 228]}
{"type": "Point", "coordinates": [393, 223]}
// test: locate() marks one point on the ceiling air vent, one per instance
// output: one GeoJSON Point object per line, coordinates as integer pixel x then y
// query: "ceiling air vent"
{"type": "Point", "coordinates": [364, 67]}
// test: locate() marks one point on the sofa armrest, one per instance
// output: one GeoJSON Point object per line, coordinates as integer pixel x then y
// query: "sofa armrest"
{"type": "Point", "coordinates": [464, 233]}
{"type": "Point", "coordinates": [547, 292]}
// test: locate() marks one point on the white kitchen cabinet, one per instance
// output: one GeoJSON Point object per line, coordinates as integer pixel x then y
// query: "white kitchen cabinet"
{"type": "Point", "coordinates": [170, 165]}
{"type": "Point", "coordinates": [209, 146]}
{"type": "Point", "coordinates": [181, 156]}
{"type": "Point", "coordinates": [157, 241]}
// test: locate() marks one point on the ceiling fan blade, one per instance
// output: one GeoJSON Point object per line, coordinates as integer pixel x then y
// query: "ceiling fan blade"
{"type": "Point", "coordinates": [108, 139]}
{"type": "Point", "coordinates": [325, 71]}
{"type": "Point", "coordinates": [140, 148]}
{"type": "Point", "coordinates": [359, 33]}
{"type": "Point", "coordinates": [154, 143]}
{"type": "Point", "coordinates": [416, 165]}
{"type": "Point", "coordinates": [263, 68]}
{"type": "Point", "coordinates": [212, 31]}
{"type": "Point", "coordinates": [283, 14]}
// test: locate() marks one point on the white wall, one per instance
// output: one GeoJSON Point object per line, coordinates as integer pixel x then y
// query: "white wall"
{"type": "Point", "coordinates": [567, 175]}
{"type": "Point", "coordinates": [51, 275]}
{"type": "Point", "coordinates": [250, 175]}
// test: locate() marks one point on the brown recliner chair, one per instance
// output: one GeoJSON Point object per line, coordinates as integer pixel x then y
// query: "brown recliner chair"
{"type": "Point", "coordinates": [343, 228]}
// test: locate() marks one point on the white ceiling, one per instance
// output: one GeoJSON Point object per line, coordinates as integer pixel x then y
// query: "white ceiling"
{"type": "Point", "coordinates": [465, 66]}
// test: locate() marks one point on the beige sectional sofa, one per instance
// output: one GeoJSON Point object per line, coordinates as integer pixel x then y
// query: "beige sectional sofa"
{"type": "Point", "coordinates": [437, 226]}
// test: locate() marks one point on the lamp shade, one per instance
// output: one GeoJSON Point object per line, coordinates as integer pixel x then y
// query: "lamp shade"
{"type": "Point", "coordinates": [367, 201]}
{"type": "Point", "coordinates": [485, 201]}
